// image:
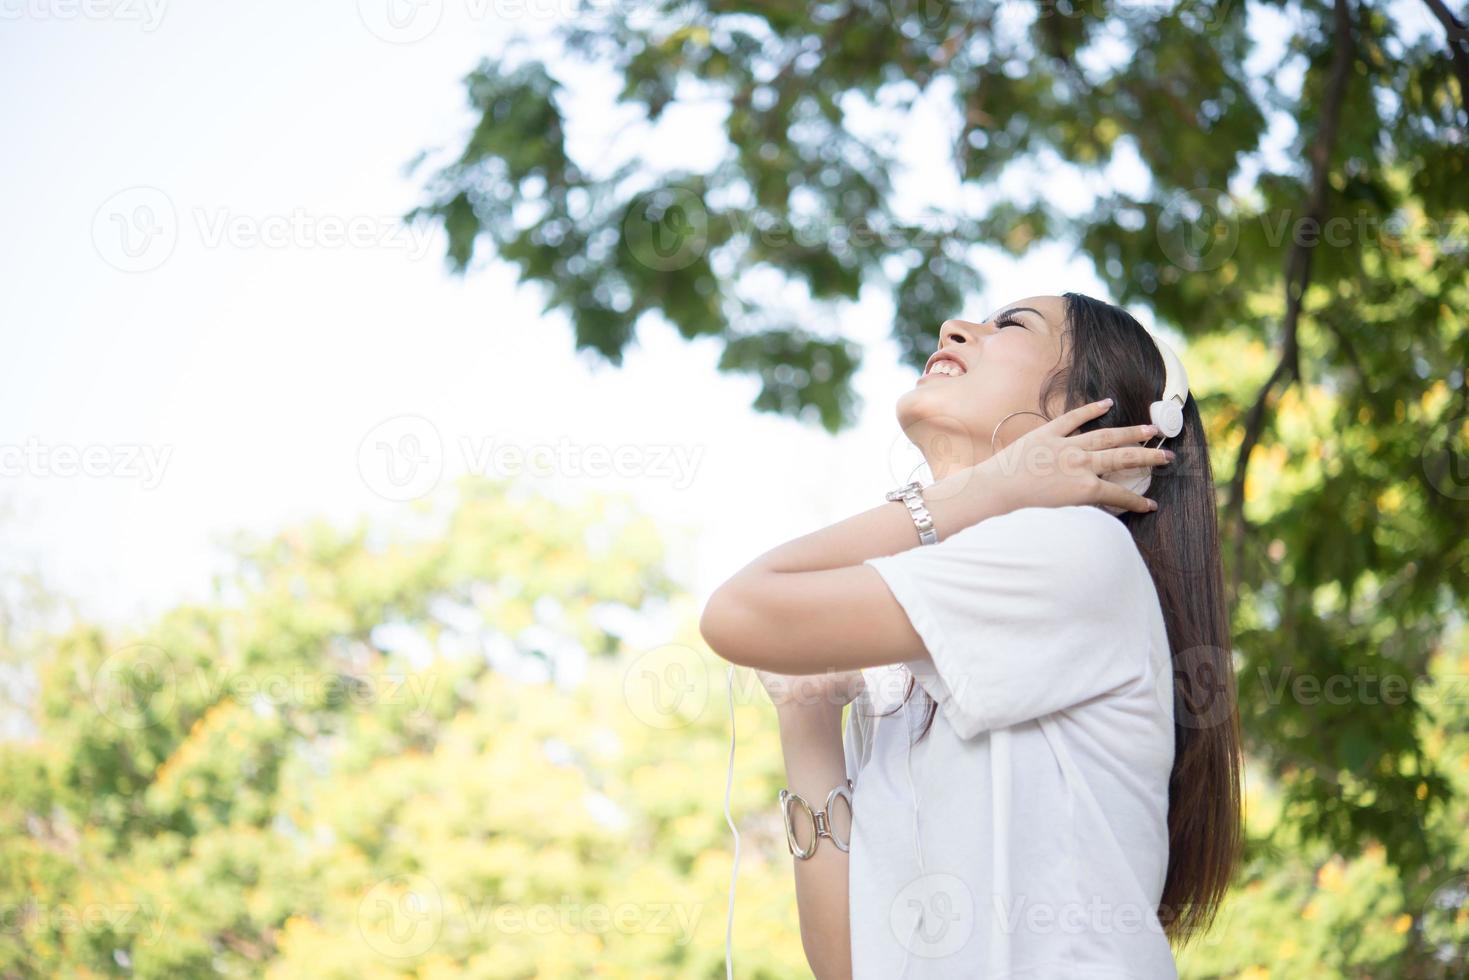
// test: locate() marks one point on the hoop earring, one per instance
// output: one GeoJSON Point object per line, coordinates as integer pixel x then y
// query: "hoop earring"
{"type": "Point", "coordinates": [995, 434]}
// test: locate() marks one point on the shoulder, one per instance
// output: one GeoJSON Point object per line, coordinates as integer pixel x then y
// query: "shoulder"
{"type": "Point", "coordinates": [1080, 548]}
{"type": "Point", "coordinates": [1066, 529]}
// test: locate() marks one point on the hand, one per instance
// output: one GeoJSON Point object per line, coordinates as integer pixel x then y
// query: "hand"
{"type": "Point", "coordinates": [1055, 466]}
{"type": "Point", "coordinates": [832, 690]}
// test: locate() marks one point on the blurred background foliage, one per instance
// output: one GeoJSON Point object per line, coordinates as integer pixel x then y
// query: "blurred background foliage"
{"type": "Point", "coordinates": [432, 748]}
{"type": "Point", "coordinates": [447, 747]}
{"type": "Point", "coordinates": [419, 750]}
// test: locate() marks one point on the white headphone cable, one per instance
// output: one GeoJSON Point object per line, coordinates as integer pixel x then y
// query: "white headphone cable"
{"type": "Point", "coordinates": [729, 819]}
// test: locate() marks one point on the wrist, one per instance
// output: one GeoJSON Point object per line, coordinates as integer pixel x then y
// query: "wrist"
{"type": "Point", "coordinates": [969, 495]}
{"type": "Point", "coordinates": [815, 714]}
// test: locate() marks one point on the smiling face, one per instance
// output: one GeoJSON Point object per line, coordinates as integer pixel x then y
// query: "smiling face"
{"type": "Point", "coordinates": [981, 373]}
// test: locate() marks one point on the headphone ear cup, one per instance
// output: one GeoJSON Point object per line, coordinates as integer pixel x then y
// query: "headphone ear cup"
{"type": "Point", "coordinates": [1137, 480]}
{"type": "Point", "coordinates": [1167, 415]}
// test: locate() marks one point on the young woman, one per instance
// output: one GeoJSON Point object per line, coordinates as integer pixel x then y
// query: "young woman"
{"type": "Point", "coordinates": [1044, 777]}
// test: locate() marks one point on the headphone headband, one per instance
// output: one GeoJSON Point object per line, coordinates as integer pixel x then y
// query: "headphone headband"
{"type": "Point", "coordinates": [1167, 412]}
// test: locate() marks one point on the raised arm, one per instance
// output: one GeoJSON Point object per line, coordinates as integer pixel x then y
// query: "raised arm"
{"type": "Point", "coordinates": [810, 605]}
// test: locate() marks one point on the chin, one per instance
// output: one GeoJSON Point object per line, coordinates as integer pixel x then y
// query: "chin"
{"type": "Point", "coordinates": [915, 406]}
{"type": "Point", "coordinates": [927, 411]}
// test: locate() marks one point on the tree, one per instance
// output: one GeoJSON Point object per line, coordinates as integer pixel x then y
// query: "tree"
{"type": "Point", "coordinates": [389, 751]}
{"type": "Point", "coordinates": [1302, 224]}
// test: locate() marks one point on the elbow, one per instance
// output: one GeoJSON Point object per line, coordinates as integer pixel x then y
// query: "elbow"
{"type": "Point", "coordinates": [720, 626]}
{"type": "Point", "coordinates": [829, 962]}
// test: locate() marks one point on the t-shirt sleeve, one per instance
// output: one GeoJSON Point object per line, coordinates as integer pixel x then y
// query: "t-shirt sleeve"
{"type": "Point", "coordinates": [1025, 614]}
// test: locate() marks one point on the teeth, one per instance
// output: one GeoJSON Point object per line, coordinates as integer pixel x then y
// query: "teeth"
{"type": "Point", "coordinates": [946, 367]}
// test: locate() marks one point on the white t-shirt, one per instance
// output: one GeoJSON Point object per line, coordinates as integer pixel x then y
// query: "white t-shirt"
{"type": "Point", "coordinates": [1027, 835]}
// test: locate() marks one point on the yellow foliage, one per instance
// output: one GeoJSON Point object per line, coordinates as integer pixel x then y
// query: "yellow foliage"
{"type": "Point", "coordinates": [1331, 876]}
{"type": "Point", "coordinates": [1390, 501]}
{"type": "Point", "coordinates": [1434, 398]}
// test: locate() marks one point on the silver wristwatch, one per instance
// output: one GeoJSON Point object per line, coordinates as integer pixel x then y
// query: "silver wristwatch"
{"type": "Point", "coordinates": [909, 495]}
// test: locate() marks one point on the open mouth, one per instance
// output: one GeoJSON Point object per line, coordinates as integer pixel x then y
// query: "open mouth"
{"type": "Point", "coordinates": [944, 365]}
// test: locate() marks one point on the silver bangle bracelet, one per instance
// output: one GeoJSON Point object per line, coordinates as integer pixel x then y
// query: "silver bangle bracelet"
{"type": "Point", "coordinates": [820, 820]}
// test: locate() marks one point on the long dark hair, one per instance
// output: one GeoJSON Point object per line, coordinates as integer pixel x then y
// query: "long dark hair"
{"type": "Point", "coordinates": [1107, 353]}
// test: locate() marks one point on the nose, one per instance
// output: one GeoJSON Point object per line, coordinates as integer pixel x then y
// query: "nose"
{"type": "Point", "coordinates": [957, 332]}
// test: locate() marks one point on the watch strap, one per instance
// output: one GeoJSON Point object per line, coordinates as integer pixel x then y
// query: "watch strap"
{"type": "Point", "coordinates": [911, 496]}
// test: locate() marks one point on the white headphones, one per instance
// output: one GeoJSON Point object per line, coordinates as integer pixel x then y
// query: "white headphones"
{"type": "Point", "coordinates": [1167, 412]}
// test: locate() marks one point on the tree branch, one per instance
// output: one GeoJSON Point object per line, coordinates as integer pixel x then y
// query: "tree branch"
{"type": "Point", "coordinates": [1453, 25]}
{"type": "Point", "coordinates": [1297, 277]}
{"type": "Point", "coordinates": [1458, 45]}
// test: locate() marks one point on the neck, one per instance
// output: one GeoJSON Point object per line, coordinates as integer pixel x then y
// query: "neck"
{"type": "Point", "coordinates": [947, 453]}
{"type": "Point", "coordinates": [947, 450]}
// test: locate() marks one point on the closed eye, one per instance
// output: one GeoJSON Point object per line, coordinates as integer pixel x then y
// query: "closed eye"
{"type": "Point", "coordinates": [1008, 322]}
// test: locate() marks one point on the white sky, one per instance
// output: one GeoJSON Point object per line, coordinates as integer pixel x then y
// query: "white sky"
{"type": "Point", "coordinates": [260, 369]}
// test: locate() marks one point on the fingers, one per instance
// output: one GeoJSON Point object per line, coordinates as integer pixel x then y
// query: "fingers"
{"type": "Point", "coordinates": [1077, 417]}
{"type": "Point", "coordinates": [1128, 458]}
{"type": "Point", "coordinates": [1121, 435]}
{"type": "Point", "coordinates": [1115, 495]}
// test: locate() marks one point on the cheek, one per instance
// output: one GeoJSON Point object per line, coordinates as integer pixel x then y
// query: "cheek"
{"type": "Point", "coordinates": [1007, 376]}
{"type": "Point", "coordinates": [1017, 364]}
